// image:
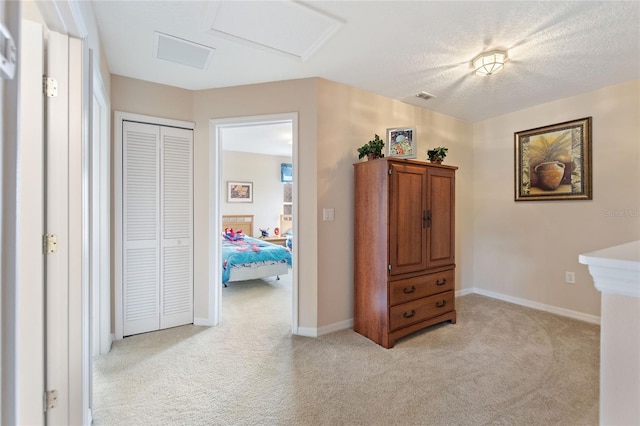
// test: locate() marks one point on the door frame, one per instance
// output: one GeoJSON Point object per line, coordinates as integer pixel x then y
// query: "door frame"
{"type": "Point", "coordinates": [215, 195]}
{"type": "Point", "coordinates": [118, 118]}
{"type": "Point", "coordinates": [99, 213]}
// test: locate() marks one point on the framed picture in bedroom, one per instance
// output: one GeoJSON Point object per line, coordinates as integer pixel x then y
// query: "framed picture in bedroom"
{"type": "Point", "coordinates": [239, 192]}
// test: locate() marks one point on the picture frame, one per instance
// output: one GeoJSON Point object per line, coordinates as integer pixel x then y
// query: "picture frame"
{"type": "Point", "coordinates": [401, 142]}
{"type": "Point", "coordinates": [554, 162]}
{"type": "Point", "coordinates": [239, 192]}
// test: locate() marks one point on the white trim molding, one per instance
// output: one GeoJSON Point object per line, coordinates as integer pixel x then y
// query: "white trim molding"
{"type": "Point", "coordinates": [336, 326]}
{"type": "Point", "coordinates": [464, 292]}
{"type": "Point", "coordinates": [307, 332]}
{"type": "Point", "coordinates": [203, 322]}
{"type": "Point", "coordinates": [539, 306]}
{"type": "Point", "coordinates": [615, 270]}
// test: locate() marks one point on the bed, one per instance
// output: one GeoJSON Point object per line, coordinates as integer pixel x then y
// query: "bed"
{"type": "Point", "coordinates": [248, 258]}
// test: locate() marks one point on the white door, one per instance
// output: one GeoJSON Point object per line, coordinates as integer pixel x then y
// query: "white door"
{"type": "Point", "coordinates": [141, 228]}
{"type": "Point", "coordinates": [176, 282]}
{"type": "Point", "coordinates": [157, 244]}
{"type": "Point", "coordinates": [66, 292]}
{"type": "Point", "coordinates": [29, 275]}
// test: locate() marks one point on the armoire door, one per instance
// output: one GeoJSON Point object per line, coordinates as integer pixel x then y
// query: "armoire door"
{"type": "Point", "coordinates": [441, 210]}
{"type": "Point", "coordinates": [407, 218]}
{"type": "Point", "coordinates": [157, 227]}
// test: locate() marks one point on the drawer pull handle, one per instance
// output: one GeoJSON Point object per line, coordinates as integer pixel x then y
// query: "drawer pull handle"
{"type": "Point", "coordinates": [409, 314]}
{"type": "Point", "coordinates": [443, 282]}
{"type": "Point", "coordinates": [409, 290]}
{"type": "Point", "coordinates": [441, 304]}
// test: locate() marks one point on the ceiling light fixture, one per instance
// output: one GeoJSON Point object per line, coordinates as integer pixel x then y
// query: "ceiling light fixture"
{"type": "Point", "coordinates": [489, 63]}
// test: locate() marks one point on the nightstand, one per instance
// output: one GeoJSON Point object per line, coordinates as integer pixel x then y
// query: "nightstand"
{"type": "Point", "coordinates": [278, 240]}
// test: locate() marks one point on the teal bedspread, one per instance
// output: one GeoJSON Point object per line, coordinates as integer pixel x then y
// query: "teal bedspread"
{"type": "Point", "coordinates": [249, 250]}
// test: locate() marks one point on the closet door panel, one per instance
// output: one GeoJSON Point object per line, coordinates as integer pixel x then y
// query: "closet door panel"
{"type": "Point", "coordinates": [141, 228]}
{"type": "Point", "coordinates": [141, 307]}
{"type": "Point", "coordinates": [176, 289]}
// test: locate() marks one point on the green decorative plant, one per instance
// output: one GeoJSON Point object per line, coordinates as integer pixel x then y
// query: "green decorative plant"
{"type": "Point", "coordinates": [436, 155]}
{"type": "Point", "coordinates": [372, 149]}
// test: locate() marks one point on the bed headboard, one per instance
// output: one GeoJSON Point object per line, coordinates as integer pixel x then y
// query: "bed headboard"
{"type": "Point", "coordinates": [239, 221]}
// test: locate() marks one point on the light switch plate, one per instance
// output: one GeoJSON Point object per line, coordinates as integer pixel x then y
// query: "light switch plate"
{"type": "Point", "coordinates": [328, 215]}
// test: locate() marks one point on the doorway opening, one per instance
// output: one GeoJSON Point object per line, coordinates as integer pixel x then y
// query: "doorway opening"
{"type": "Point", "coordinates": [222, 132]}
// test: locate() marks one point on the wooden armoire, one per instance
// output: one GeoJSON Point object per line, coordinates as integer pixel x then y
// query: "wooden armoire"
{"type": "Point", "coordinates": [403, 247]}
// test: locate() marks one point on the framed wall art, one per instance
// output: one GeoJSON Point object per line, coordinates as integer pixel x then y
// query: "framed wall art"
{"type": "Point", "coordinates": [239, 192]}
{"type": "Point", "coordinates": [554, 162]}
{"type": "Point", "coordinates": [401, 143]}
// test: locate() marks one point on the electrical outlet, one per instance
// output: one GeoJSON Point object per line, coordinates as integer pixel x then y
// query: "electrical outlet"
{"type": "Point", "coordinates": [570, 277]}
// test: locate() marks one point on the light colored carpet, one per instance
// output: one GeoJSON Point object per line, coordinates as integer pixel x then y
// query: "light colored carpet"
{"type": "Point", "coordinates": [501, 364]}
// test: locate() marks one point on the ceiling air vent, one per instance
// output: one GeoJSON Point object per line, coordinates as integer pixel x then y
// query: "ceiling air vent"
{"type": "Point", "coordinates": [181, 51]}
{"type": "Point", "coordinates": [424, 95]}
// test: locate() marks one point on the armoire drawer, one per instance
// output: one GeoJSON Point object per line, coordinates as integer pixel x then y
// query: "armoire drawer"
{"type": "Point", "coordinates": [421, 309]}
{"type": "Point", "coordinates": [417, 287]}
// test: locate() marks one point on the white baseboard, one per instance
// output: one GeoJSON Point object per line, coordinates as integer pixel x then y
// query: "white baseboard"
{"type": "Point", "coordinates": [539, 306]}
{"type": "Point", "coordinates": [307, 332]}
{"type": "Point", "coordinates": [346, 324]}
{"type": "Point", "coordinates": [336, 326]}
{"type": "Point", "coordinates": [464, 292]}
{"type": "Point", "coordinates": [326, 329]}
{"type": "Point", "coordinates": [202, 322]}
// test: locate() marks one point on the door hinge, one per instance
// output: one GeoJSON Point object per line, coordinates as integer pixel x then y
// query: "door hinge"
{"type": "Point", "coordinates": [389, 266]}
{"type": "Point", "coordinates": [49, 86]}
{"type": "Point", "coordinates": [50, 243]}
{"type": "Point", "coordinates": [50, 399]}
{"type": "Point", "coordinates": [389, 171]}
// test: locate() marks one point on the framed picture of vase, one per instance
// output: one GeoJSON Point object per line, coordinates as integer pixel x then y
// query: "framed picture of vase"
{"type": "Point", "coordinates": [401, 143]}
{"type": "Point", "coordinates": [554, 162]}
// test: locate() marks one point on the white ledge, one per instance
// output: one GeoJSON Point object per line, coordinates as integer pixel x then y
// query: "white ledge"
{"type": "Point", "coordinates": [615, 270]}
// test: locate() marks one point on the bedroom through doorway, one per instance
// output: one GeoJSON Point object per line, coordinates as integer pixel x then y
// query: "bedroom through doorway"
{"type": "Point", "coordinates": [253, 189]}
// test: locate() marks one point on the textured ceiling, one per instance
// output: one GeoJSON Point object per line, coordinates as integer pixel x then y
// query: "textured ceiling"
{"type": "Point", "coordinates": [397, 49]}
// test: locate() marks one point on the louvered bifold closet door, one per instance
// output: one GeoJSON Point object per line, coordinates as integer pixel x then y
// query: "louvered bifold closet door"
{"type": "Point", "coordinates": [141, 228]}
{"type": "Point", "coordinates": [176, 280]}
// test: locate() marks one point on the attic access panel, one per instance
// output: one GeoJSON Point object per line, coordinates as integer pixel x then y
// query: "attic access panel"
{"type": "Point", "coordinates": [284, 27]}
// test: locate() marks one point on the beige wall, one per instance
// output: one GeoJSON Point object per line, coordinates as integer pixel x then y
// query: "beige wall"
{"type": "Point", "coordinates": [522, 249]}
{"type": "Point", "coordinates": [340, 119]}
{"type": "Point", "coordinates": [517, 249]}
{"type": "Point", "coordinates": [157, 100]}
{"type": "Point", "coordinates": [260, 99]}
{"type": "Point", "coordinates": [347, 119]}
{"type": "Point", "coordinates": [264, 172]}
